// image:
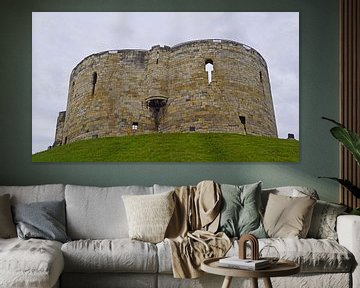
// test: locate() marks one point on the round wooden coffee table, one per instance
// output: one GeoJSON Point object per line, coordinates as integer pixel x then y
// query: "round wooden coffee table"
{"type": "Point", "coordinates": [281, 268]}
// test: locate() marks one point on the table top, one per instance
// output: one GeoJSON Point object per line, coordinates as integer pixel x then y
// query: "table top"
{"type": "Point", "coordinates": [281, 268]}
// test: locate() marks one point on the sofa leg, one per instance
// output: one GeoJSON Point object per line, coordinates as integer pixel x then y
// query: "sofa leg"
{"type": "Point", "coordinates": [227, 282]}
{"type": "Point", "coordinates": [254, 282]}
{"type": "Point", "coordinates": [267, 282]}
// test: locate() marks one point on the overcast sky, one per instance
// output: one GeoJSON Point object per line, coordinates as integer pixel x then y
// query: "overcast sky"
{"type": "Point", "coordinates": [61, 40]}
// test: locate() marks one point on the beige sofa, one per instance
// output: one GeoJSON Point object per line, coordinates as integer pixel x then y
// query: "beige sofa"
{"type": "Point", "coordinates": [102, 255]}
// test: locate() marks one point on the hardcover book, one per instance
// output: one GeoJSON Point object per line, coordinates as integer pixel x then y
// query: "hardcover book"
{"type": "Point", "coordinates": [249, 264]}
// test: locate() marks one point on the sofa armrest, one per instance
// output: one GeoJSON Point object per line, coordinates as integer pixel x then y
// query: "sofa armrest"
{"type": "Point", "coordinates": [348, 230]}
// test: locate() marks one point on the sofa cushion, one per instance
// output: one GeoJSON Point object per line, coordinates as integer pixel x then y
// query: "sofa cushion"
{"type": "Point", "coordinates": [323, 222]}
{"type": "Point", "coordinates": [164, 257]}
{"type": "Point", "coordinates": [30, 263]}
{"type": "Point", "coordinates": [287, 216]}
{"type": "Point", "coordinates": [43, 220]}
{"type": "Point", "coordinates": [7, 227]}
{"type": "Point", "coordinates": [98, 213]}
{"type": "Point", "coordinates": [116, 255]}
{"type": "Point", "coordinates": [240, 210]}
{"type": "Point", "coordinates": [35, 193]}
{"type": "Point", "coordinates": [313, 255]}
{"type": "Point", "coordinates": [149, 215]}
{"type": "Point", "coordinates": [109, 280]}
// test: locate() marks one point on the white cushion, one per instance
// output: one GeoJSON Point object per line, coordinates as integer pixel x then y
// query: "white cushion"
{"type": "Point", "coordinates": [149, 215]}
{"type": "Point", "coordinates": [30, 263]}
{"type": "Point", "coordinates": [117, 255]}
{"type": "Point", "coordinates": [98, 213]}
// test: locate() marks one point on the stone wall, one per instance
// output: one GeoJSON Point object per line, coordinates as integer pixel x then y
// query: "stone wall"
{"type": "Point", "coordinates": [59, 128]}
{"type": "Point", "coordinates": [166, 89]}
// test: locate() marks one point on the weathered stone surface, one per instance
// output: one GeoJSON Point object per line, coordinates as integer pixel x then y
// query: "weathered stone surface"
{"type": "Point", "coordinates": [166, 89]}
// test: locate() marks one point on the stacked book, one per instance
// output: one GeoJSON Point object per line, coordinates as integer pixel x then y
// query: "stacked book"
{"type": "Point", "coordinates": [248, 264]}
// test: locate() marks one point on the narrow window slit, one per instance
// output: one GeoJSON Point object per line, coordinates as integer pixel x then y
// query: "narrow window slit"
{"type": "Point", "coordinates": [94, 80]}
{"type": "Point", "coordinates": [209, 68]}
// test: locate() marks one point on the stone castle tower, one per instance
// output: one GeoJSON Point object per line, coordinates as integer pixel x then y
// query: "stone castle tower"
{"type": "Point", "coordinates": [197, 86]}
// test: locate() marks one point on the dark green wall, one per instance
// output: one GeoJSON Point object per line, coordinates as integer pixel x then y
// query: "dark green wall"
{"type": "Point", "coordinates": [319, 61]}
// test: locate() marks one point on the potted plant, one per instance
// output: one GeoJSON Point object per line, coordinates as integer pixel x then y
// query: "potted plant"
{"type": "Point", "coordinates": [351, 141]}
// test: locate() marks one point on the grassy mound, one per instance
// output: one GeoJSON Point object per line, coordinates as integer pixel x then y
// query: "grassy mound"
{"type": "Point", "coordinates": [175, 147]}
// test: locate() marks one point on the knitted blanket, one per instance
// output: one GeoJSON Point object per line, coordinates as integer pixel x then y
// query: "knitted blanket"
{"type": "Point", "coordinates": [191, 232]}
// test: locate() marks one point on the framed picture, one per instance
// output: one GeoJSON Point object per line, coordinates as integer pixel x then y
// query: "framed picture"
{"type": "Point", "coordinates": [165, 87]}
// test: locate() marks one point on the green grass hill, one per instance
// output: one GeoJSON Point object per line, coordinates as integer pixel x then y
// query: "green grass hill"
{"type": "Point", "coordinates": [175, 147]}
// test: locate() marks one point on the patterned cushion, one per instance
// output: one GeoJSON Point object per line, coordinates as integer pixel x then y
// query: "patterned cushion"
{"type": "Point", "coordinates": [323, 223]}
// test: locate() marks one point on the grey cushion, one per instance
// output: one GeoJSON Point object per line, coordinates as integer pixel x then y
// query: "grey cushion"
{"type": "Point", "coordinates": [44, 220]}
{"type": "Point", "coordinates": [323, 222]}
{"type": "Point", "coordinates": [7, 227]}
{"type": "Point", "coordinates": [98, 212]}
{"type": "Point", "coordinates": [240, 213]}
{"type": "Point", "coordinates": [31, 263]}
{"type": "Point", "coordinates": [117, 255]}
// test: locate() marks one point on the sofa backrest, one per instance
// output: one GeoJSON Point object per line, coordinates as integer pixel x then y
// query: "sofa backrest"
{"type": "Point", "coordinates": [163, 188]}
{"type": "Point", "coordinates": [98, 212]}
{"type": "Point", "coordinates": [293, 191]}
{"type": "Point", "coordinates": [35, 193]}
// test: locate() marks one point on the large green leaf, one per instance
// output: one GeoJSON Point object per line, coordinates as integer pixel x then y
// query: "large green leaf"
{"type": "Point", "coordinates": [348, 138]}
{"type": "Point", "coordinates": [348, 185]}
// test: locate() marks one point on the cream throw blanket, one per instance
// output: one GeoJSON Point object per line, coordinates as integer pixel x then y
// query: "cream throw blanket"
{"type": "Point", "coordinates": [191, 231]}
